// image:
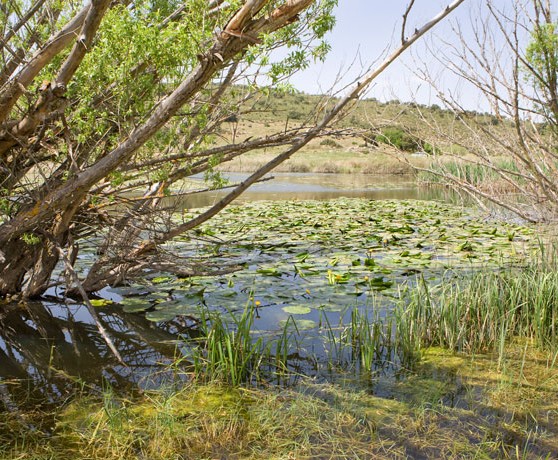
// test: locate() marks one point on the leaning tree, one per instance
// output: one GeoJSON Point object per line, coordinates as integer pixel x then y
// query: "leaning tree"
{"type": "Point", "coordinates": [101, 98]}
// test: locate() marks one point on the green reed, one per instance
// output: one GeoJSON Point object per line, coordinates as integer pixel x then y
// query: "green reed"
{"type": "Point", "coordinates": [229, 352]}
{"type": "Point", "coordinates": [483, 312]}
{"type": "Point", "coordinates": [477, 313]}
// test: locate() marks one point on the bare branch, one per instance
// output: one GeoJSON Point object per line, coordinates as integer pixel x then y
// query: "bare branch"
{"type": "Point", "coordinates": [405, 16]}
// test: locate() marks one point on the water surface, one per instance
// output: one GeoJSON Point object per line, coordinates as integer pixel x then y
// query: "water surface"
{"type": "Point", "coordinates": [311, 186]}
{"type": "Point", "coordinates": [54, 346]}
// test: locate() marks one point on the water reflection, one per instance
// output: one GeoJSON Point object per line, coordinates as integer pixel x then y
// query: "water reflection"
{"type": "Point", "coordinates": [311, 186]}
{"type": "Point", "coordinates": [48, 349]}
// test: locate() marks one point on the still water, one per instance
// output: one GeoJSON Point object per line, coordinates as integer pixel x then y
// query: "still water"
{"type": "Point", "coordinates": [310, 186]}
{"type": "Point", "coordinates": [48, 348]}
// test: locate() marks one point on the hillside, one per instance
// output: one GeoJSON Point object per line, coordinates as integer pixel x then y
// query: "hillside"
{"type": "Point", "coordinates": [367, 138]}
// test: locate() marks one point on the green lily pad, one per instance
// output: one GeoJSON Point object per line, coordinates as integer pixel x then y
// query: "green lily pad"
{"type": "Point", "coordinates": [135, 304]}
{"type": "Point", "coordinates": [297, 310]}
{"type": "Point", "coordinates": [160, 315]}
{"type": "Point", "coordinates": [300, 324]}
{"type": "Point", "coordinates": [161, 279]}
{"type": "Point", "coordinates": [101, 302]}
{"type": "Point", "coordinates": [333, 307]}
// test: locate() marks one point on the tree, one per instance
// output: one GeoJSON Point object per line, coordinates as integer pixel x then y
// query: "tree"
{"type": "Point", "coordinates": [106, 97]}
{"type": "Point", "coordinates": [508, 156]}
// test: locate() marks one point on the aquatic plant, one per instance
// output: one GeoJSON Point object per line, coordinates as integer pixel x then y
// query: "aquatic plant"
{"type": "Point", "coordinates": [483, 312]}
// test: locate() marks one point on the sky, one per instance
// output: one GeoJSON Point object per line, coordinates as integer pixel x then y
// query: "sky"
{"type": "Point", "coordinates": [365, 29]}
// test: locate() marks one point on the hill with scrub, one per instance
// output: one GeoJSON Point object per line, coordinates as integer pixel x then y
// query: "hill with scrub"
{"type": "Point", "coordinates": [373, 137]}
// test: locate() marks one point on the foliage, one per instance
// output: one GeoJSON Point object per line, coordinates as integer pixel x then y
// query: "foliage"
{"type": "Point", "coordinates": [399, 138]}
{"type": "Point", "coordinates": [541, 70]}
{"type": "Point", "coordinates": [484, 313]}
{"type": "Point", "coordinates": [137, 108]}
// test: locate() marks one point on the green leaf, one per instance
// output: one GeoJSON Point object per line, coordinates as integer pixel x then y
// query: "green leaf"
{"type": "Point", "coordinates": [297, 310]}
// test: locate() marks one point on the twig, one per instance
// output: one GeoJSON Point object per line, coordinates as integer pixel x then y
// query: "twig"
{"type": "Point", "coordinates": [405, 16]}
{"type": "Point", "coordinates": [86, 300]}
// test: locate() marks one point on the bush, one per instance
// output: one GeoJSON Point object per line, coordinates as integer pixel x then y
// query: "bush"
{"type": "Point", "coordinates": [430, 149]}
{"type": "Point", "coordinates": [331, 143]}
{"type": "Point", "coordinates": [399, 139]}
{"type": "Point", "coordinates": [295, 115]}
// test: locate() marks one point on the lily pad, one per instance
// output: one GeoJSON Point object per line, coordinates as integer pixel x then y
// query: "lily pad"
{"type": "Point", "coordinates": [134, 304]}
{"type": "Point", "coordinates": [297, 310]}
{"type": "Point", "coordinates": [101, 302]}
{"type": "Point", "coordinates": [300, 324]}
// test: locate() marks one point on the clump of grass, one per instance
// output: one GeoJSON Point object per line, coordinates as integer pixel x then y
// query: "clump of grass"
{"type": "Point", "coordinates": [331, 143]}
{"type": "Point", "coordinates": [229, 351]}
{"type": "Point", "coordinates": [483, 313]}
{"type": "Point", "coordinates": [369, 341]}
{"type": "Point", "coordinates": [478, 175]}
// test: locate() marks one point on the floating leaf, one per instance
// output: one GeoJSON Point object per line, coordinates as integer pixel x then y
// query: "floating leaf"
{"type": "Point", "coordinates": [133, 305]}
{"type": "Point", "coordinates": [268, 272]}
{"type": "Point", "coordinates": [161, 279]}
{"type": "Point", "coordinates": [369, 262]}
{"type": "Point", "coordinates": [101, 302]}
{"type": "Point", "coordinates": [297, 310]}
{"type": "Point", "coordinates": [300, 324]}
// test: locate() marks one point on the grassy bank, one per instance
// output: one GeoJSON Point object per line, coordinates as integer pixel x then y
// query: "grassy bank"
{"type": "Point", "coordinates": [477, 378]}
{"type": "Point", "coordinates": [450, 406]}
{"type": "Point", "coordinates": [340, 155]}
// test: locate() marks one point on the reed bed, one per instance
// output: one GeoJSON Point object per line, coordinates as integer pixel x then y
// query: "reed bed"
{"type": "Point", "coordinates": [483, 313]}
{"type": "Point", "coordinates": [483, 177]}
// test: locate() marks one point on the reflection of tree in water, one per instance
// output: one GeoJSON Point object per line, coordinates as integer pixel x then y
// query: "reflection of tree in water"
{"type": "Point", "coordinates": [47, 350]}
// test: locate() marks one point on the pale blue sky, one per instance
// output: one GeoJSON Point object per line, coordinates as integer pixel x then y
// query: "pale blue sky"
{"type": "Point", "coordinates": [364, 30]}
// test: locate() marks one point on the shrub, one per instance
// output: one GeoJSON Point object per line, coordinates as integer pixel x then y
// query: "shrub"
{"type": "Point", "coordinates": [295, 115]}
{"type": "Point", "coordinates": [331, 143]}
{"type": "Point", "coordinates": [399, 139]}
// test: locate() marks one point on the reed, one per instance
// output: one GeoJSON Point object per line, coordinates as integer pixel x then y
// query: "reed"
{"type": "Point", "coordinates": [230, 353]}
{"type": "Point", "coordinates": [482, 313]}
{"type": "Point", "coordinates": [475, 174]}
{"type": "Point", "coordinates": [369, 339]}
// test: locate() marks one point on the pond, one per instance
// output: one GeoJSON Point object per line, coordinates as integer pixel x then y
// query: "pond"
{"type": "Point", "coordinates": [312, 186]}
{"type": "Point", "coordinates": [303, 267]}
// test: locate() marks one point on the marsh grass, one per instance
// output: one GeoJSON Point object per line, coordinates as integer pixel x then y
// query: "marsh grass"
{"type": "Point", "coordinates": [483, 177]}
{"type": "Point", "coordinates": [451, 406]}
{"type": "Point", "coordinates": [369, 341]}
{"type": "Point", "coordinates": [483, 313]}
{"type": "Point", "coordinates": [230, 354]}
{"type": "Point", "coordinates": [228, 349]}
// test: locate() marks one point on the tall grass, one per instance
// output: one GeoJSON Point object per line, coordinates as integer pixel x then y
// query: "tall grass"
{"type": "Point", "coordinates": [230, 351]}
{"type": "Point", "coordinates": [482, 313]}
{"type": "Point", "coordinates": [369, 339]}
{"type": "Point", "coordinates": [470, 172]}
{"type": "Point", "coordinates": [478, 313]}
